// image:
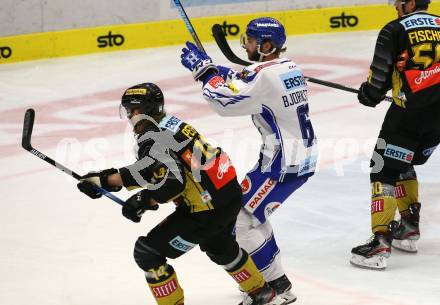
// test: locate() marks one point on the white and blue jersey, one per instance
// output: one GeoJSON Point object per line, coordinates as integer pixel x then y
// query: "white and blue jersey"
{"type": "Point", "coordinates": [274, 93]}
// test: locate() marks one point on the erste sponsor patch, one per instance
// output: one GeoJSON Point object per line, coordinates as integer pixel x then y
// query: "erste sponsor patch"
{"type": "Point", "coordinates": [180, 244]}
{"type": "Point", "coordinates": [171, 123]}
{"type": "Point", "coordinates": [398, 153]}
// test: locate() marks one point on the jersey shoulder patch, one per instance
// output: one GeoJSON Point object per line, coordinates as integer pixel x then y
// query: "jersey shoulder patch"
{"type": "Point", "coordinates": [171, 123]}
{"type": "Point", "coordinates": [420, 21]}
{"type": "Point", "coordinates": [293, 80]}
{"type": "Point", "coordinates": [247, 75]}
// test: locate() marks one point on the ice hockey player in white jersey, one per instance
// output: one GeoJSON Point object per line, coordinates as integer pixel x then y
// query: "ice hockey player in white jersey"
{"type": "Point", "coordinates": [274, 92]}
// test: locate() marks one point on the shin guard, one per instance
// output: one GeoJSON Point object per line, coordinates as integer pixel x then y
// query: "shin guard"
{"type": "Point", "coordinates": [245, 273]}
{"type": "Point", "coordinates": [383, 206]}
{"type": "Point", "coordinates": [164, 285]}
{"type": "Point", "coordinates": [407, 192]}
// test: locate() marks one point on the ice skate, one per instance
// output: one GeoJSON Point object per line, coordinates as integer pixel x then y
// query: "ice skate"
{"type": "Point", "coordinates": [407, 233]}
{"type": "Point", "coordinates": [263, 296]}
{"type": "Point", "coordinates": [283, 288]}
{"type": "Point", "coordinates": [373, 254]}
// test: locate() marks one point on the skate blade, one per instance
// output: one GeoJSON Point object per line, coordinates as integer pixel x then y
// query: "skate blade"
{"type": "Point", "coordinates": [278, 301]}
{"type": "Point", "coordinates": [288, 297]}
{"type": "Point", "coordinates": [405, 245]}
{"type": "Point", "coordinates": [275, 301]}
{"type": "Point", "coordinates": [372, 263]}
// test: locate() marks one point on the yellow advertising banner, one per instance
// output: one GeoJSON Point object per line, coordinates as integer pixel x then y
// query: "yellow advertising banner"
{"type": "Point", "coordinates": [172, 32]}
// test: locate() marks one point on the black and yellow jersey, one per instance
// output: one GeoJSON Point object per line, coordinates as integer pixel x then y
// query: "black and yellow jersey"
{"type": "Point", "coordinates": [407, 60]}
{"type": "Point", "coordinates": [177, 164]}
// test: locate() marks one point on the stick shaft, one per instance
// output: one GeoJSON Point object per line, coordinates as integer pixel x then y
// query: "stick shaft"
{"type": "Point", "coordinates": [26, 144]}
{"type": "Point", "coordinates": [73, 174]}
{"type": "Point", "coordinates": [188, 24]}
{"type": "Point", "coordinates": [229, 54]}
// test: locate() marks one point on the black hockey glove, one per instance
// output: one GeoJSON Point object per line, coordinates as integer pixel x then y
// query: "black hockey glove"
{"type": "Point", "coordinates": [365, 99]}
{"type": "Point", "coordinates": [88, 183]}
{"type": "Point", "coordinates": [137, 204]}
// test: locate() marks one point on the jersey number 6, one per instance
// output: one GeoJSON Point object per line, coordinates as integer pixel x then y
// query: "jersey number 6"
{"type": "Point", "coordinates": [306, 126]}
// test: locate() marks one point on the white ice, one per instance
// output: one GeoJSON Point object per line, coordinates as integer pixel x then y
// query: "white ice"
{"type": "Point", "coordinates": [59, 247]}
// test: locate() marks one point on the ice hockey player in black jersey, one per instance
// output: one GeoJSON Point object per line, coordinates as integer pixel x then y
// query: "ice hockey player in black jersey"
{"type": "Point", "coordinates": [406, 60]}
{"type": "Point", "coordinates": [176, 164]}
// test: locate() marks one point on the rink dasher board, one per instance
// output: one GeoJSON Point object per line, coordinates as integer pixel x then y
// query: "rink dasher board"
{"type": "Point", "coordinates": [172, 32]}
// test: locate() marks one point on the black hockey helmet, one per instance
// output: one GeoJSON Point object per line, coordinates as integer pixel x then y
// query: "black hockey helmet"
{"type": "Point", "coordinates": [146, 97]}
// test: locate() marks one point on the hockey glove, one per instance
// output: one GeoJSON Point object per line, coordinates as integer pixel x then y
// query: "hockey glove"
{"type": "Point", "coordinates": [137, 204]}
{"type": "Point", "coordinates": [366, 99]}
{"type": "Point", "coordinates": [88, 183]}
{"type": "Point", "coordinates": [198, 62]}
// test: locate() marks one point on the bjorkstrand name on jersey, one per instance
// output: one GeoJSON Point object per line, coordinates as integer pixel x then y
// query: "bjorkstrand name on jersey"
{"type": "Point", "coordinates": [295, 98]}
{"type": "Point", "coordinates": [294, 81]}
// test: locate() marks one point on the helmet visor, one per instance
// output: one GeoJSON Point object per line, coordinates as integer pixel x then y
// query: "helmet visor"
{"type": "Point", "coordinates": [126, 111]}
{"type": "Point", "coordinates": [123, 112]}
{"type": "Point", "coordinates": [127, 106]}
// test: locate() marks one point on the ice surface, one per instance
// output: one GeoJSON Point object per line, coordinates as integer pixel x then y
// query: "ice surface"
{"type": "Point", "coordinates": [59, 247]}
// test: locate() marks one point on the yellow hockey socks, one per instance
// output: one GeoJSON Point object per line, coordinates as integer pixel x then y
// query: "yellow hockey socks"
{"type": "Point", "coordinates": [164, 285]}
{"type": "Point", "coordinates": [383, 206]}
{"type": "Point", "coordinates": [246, 274]}
{"type": "Point", "coordinates": [406, 192]}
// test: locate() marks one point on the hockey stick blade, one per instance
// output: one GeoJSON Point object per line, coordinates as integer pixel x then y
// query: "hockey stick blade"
{"type": "Point", "coordinates": [28, 126]}
{"type": "Point", "coordinates": [220, 39]}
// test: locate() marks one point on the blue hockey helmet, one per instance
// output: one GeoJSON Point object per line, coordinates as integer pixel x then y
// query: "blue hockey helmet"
{"type": "Point", "coordinates": [267, 28]}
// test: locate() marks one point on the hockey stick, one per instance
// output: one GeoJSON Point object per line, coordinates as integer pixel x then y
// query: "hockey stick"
{"type": "Point", "coordinates": [188, 24]}
{"type": "Point", "coordinates": [28, 126]}
{"type": "Point", "coordinates": [221, 41]}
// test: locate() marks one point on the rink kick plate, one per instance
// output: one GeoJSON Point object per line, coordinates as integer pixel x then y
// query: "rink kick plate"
{"type": "Point", "coordinates": [173, 32]}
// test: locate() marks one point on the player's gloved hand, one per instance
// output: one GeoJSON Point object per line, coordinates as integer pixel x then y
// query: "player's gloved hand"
{"type": "Point", "coordinates": [137, 204]}
{"type": "Point", "coordinates": [365, 99]}
{"type": "Point", "coordinates": [198, 62]}
{"type": "Point", "coordinates": [88, 183]}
